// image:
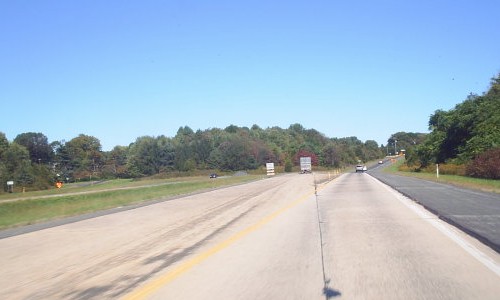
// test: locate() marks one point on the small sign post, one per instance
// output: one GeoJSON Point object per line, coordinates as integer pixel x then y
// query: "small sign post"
{"type": "Point", "coordinates": [10, 186]}
{"type": "Point", "coordinates": [270, 169]}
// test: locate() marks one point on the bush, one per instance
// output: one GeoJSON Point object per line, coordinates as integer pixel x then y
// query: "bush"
{"type": "Point", "coordinates": [485, 165]}
{"type": "Point", "coordinates": [408, 168]}
{"type": "Point", "coordinates": [452, 169]}
{"type": "Point", "coordinates": [444, 169]}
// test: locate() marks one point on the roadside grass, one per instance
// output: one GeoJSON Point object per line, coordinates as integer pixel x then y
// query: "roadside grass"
{"type": "Point", "coordinates": [487, 185]}
{"type": "Point", "coordinates": [41, 206]}
{"type": "Point", "coordinates": [95, 186]}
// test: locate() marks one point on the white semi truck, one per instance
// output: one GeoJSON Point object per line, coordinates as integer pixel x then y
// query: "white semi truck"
{"type": "Point", "coordinates": [305, 165]}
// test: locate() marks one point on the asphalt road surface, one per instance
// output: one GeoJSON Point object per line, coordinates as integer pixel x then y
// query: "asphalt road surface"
{"type": "Point", "coordinates": [354, 238]}
{"type": "Point", "coordinates": [476, 212]}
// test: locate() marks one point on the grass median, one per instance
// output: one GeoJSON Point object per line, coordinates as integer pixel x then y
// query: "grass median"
{"type": "Point", "coordinates": [45, 206]}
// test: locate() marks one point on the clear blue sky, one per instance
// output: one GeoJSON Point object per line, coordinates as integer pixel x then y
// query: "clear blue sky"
{"type": "Point", "coordinates": [118, 70]}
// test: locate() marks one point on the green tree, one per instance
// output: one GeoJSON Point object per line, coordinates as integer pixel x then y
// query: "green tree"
{"type": "Point", "coordinates": [85, 155]}
{"type": "Point", "coordinates": [166, 153]}
{"type": "Point", "coordinates": [24, 174]}
{"type": "Point", "coordinates": [485, 129]}
{"type": "Point", "coordinates": [409, 141]}
{"type": "Point", "coordinates": [464, 132]}
{"type": "Point", "coordinates": [14, 157]}
{"type": "Point", "coordinates": [17, 165]}
{"type": "Point", "coordinates": [231, 129]}
{"type": "Point", "coordinates": [288, 165]}
{"type": "Point", "coordinates": [4, 175]}
{"type": "Point", "coordinates": [233, 154]}
{"type": "Point", "coordinates": [372, 150]}
{"type": "Point", "coordinates": [4, 144]}
{"type": "Point", "coordinates": [330, 157]}
{"type": "Point", "coordinates": [62, 163]}
{"type": "Point", "coordinates": [115, 162]}
{"type": "Point", "coordinates": [185, 131]}
{"type": "Point", "coordinates": [404, 140]}
{"type": "Point", "coordinates": [144, 159]}
{"type": "Point", "coordinates": [202, 146]}
{"type": "Point", "coordinates": [37, 145]}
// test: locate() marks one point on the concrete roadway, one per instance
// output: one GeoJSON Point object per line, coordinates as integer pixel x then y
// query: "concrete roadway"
{"type": "Point", "coordinates": [475, 212]}
{"type": "Point", "coordinates": [271, 239]}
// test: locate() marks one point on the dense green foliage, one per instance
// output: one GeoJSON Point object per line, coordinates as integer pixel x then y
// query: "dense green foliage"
{"type": "Point", "coordinates": [32, 162]}
{"type": "Point", "coordinates": [403, 142]}
{"type": "Point", "coordinates": [463, 134]}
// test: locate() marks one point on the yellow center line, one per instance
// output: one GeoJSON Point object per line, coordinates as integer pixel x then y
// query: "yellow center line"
{"type": "Point", "coordinates": [156, 284]}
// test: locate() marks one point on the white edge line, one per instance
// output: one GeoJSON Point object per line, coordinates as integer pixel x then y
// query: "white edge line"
{"type": "Point", "coordinates": [445, 228]}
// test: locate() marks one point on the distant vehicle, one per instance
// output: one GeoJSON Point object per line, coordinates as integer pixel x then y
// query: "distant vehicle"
{"type": "Point", "coordinates": [380, 162]}
{"type": "Point", "coordinates": [305, 165]}
{"type": "Point", "coordinates": [360, 168]}
{"type": "Point", "coordinates": [213, 175]}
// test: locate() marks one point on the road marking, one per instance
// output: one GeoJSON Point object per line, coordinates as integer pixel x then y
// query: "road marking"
{"type": "Point", "coordinates": [156, 284]}
{"type": "Point", "coordinates": [445, 228]}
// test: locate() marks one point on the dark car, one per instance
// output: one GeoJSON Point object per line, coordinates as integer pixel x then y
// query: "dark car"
{"type": "Point", "coordinates": [213, 175]}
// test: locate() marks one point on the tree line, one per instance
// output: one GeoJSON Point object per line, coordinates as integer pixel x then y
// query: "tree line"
{"type": "Point", "coordinates": [467, 136]}
{"type": "Point", "coordinates": [33, 162]}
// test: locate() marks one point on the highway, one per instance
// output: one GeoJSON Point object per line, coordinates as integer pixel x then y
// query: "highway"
{"type": "Point", "coordinates": [476, 212]}
{"type": "Point", "coordinates": [287, 237]}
